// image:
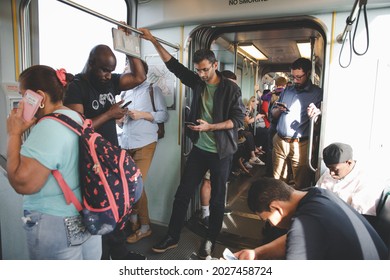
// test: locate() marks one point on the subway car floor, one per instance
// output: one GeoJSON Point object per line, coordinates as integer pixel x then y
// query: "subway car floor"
{"type": "Point", "coordinates": [241, 228]}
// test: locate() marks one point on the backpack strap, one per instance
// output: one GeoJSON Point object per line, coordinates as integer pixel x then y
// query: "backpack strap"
{"type": "Point", "coordinates": [152, 96]}
{"type": "Point", "coordinates": [69, 122]}
{"type": "Point", "coordinates": [69, 195]}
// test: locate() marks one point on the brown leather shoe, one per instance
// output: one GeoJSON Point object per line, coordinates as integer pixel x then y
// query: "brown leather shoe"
{"type": "Point", "coordinates": [137, 236]}
{"type": "Point", "coordinates": [135, 226]}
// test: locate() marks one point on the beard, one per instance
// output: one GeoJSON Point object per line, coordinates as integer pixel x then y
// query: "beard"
{"type": "Point", "coordinates": [300, 86]}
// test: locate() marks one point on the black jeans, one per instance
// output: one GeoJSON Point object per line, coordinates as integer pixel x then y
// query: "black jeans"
{"type": "Point", "coordinates": [197, 164]}
{"type": "Point", "coordinates": [114, 245]}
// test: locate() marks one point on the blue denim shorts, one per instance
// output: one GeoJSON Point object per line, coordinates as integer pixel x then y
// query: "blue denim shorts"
{"type": "Point", "coordinates": [54, 237]}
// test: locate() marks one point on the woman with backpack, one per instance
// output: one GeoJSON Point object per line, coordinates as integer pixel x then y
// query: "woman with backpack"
{"type": "Point", "coordinates": [54, 229]}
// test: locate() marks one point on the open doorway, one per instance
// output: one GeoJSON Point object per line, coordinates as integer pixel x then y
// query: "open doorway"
{"type": "Point", "coordinates": [278, 40]}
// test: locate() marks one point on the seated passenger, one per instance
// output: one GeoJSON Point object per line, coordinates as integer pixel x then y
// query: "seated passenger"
{"type": "Point", "coordinates": [255, 123]}
{"type": "Point", "coordinates": [316, 221]}
{"type": "Point", "coordinates": [347, 179]}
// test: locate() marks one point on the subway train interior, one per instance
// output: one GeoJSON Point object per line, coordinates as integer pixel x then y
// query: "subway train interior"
{"type": "Point", "coordinates": [346, 42]}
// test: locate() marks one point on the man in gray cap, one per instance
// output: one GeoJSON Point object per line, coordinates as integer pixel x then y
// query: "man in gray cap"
{"type": "Point", "coordinates": [348, 179]}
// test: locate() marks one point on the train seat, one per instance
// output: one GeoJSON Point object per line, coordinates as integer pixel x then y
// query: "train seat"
{"type": "Point", "coordinates": [382, 224]}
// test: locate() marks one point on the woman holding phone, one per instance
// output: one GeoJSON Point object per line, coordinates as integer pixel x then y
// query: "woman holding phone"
{"type": "Point", "coordinates": [53, 228]}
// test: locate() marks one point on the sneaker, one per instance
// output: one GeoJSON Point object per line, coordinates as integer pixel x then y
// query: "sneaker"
{"type": "Point", "coordinates": [256, 161]}
{"type": "Point", "coordinates": [167, 243]}
{"type": "Point", "coordinates": [206, 249]}
{"type": "Point", "coordinates": [259, 151]}
{"type": "Point", "coordinates": [137, 236]}
{"type": "Point", "coordinates": [248, 165]}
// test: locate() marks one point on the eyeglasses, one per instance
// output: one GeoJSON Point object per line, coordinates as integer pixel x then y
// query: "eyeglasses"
{"type": "Point", "coordinates": [298, 78]}
{"type": "Point", "coordinates": [204, 70]}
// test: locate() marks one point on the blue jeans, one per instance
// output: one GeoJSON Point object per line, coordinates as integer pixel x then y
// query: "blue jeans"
{"type": "Point", "coordinates": [48, 239]}
{"type": "Point", "coordinates": [197, 164]}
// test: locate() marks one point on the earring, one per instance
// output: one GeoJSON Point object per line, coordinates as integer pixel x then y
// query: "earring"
{"type": "Point", "coordinates": [42, 105]}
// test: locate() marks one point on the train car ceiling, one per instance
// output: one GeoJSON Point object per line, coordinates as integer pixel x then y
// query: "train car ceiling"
{"type": "Point", "coordinates": [167, 13]}
{"type": "Point", "coordinates": [276, 38]}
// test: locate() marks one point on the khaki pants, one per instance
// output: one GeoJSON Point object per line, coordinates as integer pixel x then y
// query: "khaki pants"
{"type": "Point", "coordinates": [291, 156]}
{"type": "Point", "coordinates": [143, 158]}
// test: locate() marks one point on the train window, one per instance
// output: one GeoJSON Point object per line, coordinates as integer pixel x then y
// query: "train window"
{"type": "Point", "coordinates": [66, 34]}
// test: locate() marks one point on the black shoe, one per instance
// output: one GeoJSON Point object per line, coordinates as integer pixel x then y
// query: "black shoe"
{"type": "Point", "coordinates": [206, 249]}
{"type": "Point", "coordinates": [205, 222]}
{"type": "Point", "coordinates": [130, 256]}
{"type": "Point", "coordinates": [167, 243]}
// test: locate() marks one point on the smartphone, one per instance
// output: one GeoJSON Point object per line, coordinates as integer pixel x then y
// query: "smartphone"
{"type": "Point", "coordinates": [228, 255]}
{"type": "Point", "coordinates": [281, 104]}
{"type": "Point", "coordinates": [126, 104]}
{"type": "Point", "coordinates": [31, 101]}
{"type": "Point", "coordinates": [190, 123]}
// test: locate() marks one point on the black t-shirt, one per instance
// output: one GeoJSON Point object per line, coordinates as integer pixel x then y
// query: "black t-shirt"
{"type": "Point", "coordinates": [324, 227]}
{"type": "Point", "coordinates": [95, 101]}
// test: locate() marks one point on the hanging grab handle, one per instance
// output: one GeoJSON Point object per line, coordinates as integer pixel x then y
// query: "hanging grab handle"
{"type": "Point", "coordinates": [355, 15]}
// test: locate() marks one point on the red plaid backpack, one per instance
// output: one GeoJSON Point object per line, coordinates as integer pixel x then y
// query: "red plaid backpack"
{"type": "Point", "coordinates": [108, 179]}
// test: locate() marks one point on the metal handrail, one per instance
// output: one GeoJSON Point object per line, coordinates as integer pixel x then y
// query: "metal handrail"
{"type": "Point", "coordinates": [311, 132]}
{"type": "Point", "coordinates": [106, 18]}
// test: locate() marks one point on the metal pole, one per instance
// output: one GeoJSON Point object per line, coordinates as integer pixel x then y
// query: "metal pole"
{"type": "Point", "coordinates": [24, 39]}
{"type": "Point", "coordinates": [94, 13]}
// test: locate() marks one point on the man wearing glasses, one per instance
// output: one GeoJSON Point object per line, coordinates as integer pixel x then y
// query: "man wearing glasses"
{"type": "Point", "coordinates": [293, 111]}
{"type": "Point", "coordinates": [216, 113]}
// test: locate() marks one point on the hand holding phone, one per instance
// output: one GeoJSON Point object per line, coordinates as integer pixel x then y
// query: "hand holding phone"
{"type": "Point", "coordinates": [228, 255]}
{"type": "Point", "coordinates": [190, 123]}
{"type": "Point", "coordinates": [32, 101]}
{"type": "Point", "coordinates": [126, 104]}
{"type": "Point", "coordinates": [283, 105]}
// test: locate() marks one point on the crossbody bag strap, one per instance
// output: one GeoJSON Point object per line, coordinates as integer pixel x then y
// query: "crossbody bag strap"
{"type": "Point", "coordinates": [152, 96]}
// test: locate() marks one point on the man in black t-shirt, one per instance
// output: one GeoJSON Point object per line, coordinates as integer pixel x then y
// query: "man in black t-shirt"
{"type": "Point", "coordinates": [320, 225]}
{"type": "Point", "coordinates": [92, 93]}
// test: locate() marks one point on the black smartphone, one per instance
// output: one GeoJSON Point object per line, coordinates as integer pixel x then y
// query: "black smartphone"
{"type": "Point", "coordinates": [126, 104]}
{"type": "Point", "coordinates": [281, 104]}
{"type": "Point", "coordinates": [190, 123]}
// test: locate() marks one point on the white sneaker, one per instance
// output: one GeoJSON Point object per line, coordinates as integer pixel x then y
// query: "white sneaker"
{"type": "Point", "coordinates": [256, 161]}
{"type": "Point", "coordinates": [248, 165]}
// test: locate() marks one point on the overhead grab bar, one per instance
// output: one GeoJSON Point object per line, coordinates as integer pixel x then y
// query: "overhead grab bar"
{"type": "Point", "coordinates": [94, 13]}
